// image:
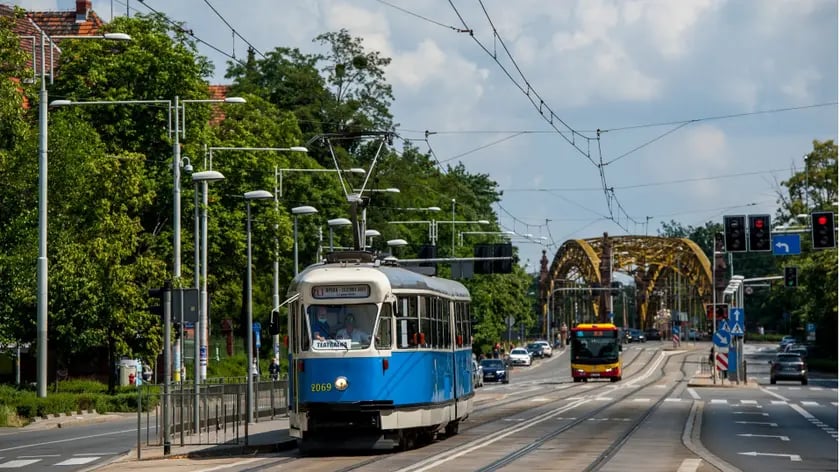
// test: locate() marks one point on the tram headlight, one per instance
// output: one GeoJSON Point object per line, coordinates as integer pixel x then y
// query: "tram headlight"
{"type": "Point", "coordinates": [341, 383]}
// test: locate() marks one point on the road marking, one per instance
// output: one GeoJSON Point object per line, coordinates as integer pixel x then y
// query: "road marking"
{"type": "Point", "coordinates": [78, 460]}
{"type": "Point", "coordinates": [834, 403]}
{"type": "Point", "coordinates": [112, 433]}
{"type": "Point", "coordinates": [749, 402]}
{"type": "Point", "coordinates": [810, 403]}
{"type": "Point", "coordinates": [792, 457]}
{"type": "Point", "coordinates": [693, 394]}
{"type": "Point", "coordinates": [231, 466]}
{"type": "Point", "coordinates": [774, 394]}
{"type": "Point", "coordinates": [815, 389]}
{"type": "Point", "coordinates": [802, 412]}
{"type": "Point", "coordinates": [689, 465]}
{"type": "Point", "coordinates": [604, 399]}
{"type": "Point", "coordinates": [718, 401]}
{"type": "Point", "coordinates": [39, 456]}
{"type": "Point", "coordinates": [18, 463]}
{"type": "Point", "coordinates": [778, 402]}
{"type": "Point", "coordinates": [772, 388]}
{"type": "Point", "coordinates": [750, 413]}
{"type": "Point", "coordinates": [641, 399]}
{"type": "Point", "coordinates": [750, 435]}
{"type": "Point", "coordinates": [793, 388]}
{"type": "Point", "coordinates": [539, 399]}
{"type": "Point", "coordinates": [673, 399]}
{"type": "Point", "coordinates": [772, 425]}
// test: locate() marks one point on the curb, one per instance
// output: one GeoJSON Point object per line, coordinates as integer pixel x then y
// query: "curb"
{"type": "Point", "coordinates": [691, 439]}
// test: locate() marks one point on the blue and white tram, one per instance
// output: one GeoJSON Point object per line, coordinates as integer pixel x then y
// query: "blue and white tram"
{"type": "Point", "coordinates": [376, 352]}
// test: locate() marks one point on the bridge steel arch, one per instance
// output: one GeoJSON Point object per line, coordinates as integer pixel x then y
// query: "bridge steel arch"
{"type": "Point", "coordinates": [648, 259]}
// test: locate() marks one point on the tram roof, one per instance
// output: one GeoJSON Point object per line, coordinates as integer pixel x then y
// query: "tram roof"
{"type": "Point", "coordinates": [400, 279]}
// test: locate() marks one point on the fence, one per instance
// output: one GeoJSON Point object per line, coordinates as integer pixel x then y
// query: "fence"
{"type": "Point", "coordinates": [214, 413]}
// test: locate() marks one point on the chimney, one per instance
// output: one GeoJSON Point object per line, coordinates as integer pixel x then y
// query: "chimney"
{"type": "Point", "coordinates": [83, 7]}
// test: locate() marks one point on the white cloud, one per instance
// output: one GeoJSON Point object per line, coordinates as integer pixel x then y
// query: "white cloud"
{"type": "Point", "coordinates": [799, 86]}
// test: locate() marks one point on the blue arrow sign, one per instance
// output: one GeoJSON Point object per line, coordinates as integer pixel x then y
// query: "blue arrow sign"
{"type": "Point", "coordinates": [721, 338]}
{"type": "Point", "coordinates": [736, 321]}
{"type": "Point", "coordinates": [785, 244]}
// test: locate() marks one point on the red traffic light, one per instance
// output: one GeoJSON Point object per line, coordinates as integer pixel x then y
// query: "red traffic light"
{"type": "Point", "coordinates": [759, 223]}
{"type": "Point", "coordinates": [822, 220]}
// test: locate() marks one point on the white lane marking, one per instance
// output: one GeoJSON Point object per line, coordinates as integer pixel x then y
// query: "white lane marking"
{"type": "Point", "coordinates": [834, 403]}
{"type": "Point", "coordinates": [231, 466]}
{"type": "Point", "coordinates": [749, 402]}
{"type": "Point", "coordinates": [78, 461]}
{"type": "Point", "coordinates": [815, 389]}
{"type": "Point", "coordinates": [641, 399]}
{"type": "Point", "coordinates": [479, 443]}
{"type": "Point", "coordinates": [539, 399]}
{"type": "Point", "coordinates": [39, 456]}
{"type": "Point", "coordinates": [802, 412]}
{"type": "Point", "coordinates": [750, 413]}
{"type": "Point", "coordinates": [673, 399]}
{"type": "Point", "coordinates": [772, 388]}
{"type": "Point", "coordinates": [810, 404]}
{"type": "Point", "coordinates": [18, 463]}
{"type": "Point", "coordinates": [718, 401]}
{"type": "Point", "coordinates": [603, 399]}
{"type": "Point", "coordinates": [793, 388]}
{"type": "Point", "coordinates": [778, 402]}
{"type": "Point", "coordinates": [792, 457]}
{"type": "Point", "coordinates": [693, 394]}
{"type": "Point", "coordinates": [750, 435]}
{"type": "Point", "coordinates": [112, 433]}
{"type": "Point", "coordinates": [772, 425]}
{"type": "Point", "coordinates": [689, 465]}
{"type": "Point", "coordinates": [774, 394]}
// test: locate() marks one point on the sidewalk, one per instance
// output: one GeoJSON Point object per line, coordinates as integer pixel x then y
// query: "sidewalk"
{"type": "Point", "coordinates": [263, 437]}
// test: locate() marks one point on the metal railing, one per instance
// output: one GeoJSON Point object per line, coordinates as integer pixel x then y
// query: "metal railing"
{"type": "Point", "coordinates": [221, 413]}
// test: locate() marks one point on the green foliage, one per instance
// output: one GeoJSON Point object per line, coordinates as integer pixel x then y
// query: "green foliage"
{"type": "Point", "coordinates": [72, 397]}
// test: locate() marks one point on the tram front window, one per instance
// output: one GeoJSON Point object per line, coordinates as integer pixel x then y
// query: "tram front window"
{"type": "Point", "coordinates": [341, 327]}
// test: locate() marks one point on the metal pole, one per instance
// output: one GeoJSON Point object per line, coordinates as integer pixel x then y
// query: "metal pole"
{"type": "Point", "coordinates": [714, 313]}
{"type": "Point", "coordinates": [453, 228]}
{"type": "Point", "coordinates": [42, 231]}
{"type": "Point", "coordinates": [167, 360]}
{"type": "Point", "coordinates": [197, 327]}
{"type": "Point", "coordinates": [295, 244]}
{"type": "Point", "coordinates": [331, 239]}
{"type": "Point", "coordinates": [249, 324]}
{"type": "Point", "coordinates": [275, 293]}
{"type": "Point", "coordinates": [204, 302]}
{"type": "Point", "coordinates": [176, 198]}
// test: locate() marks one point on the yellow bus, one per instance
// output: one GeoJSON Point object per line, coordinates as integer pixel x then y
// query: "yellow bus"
{"type": "Point", "coordinates": [596, 352]}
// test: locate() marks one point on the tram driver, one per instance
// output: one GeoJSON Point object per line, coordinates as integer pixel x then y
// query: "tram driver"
{"type": "Point", "coordinates": [350, 332]}
{"type": "Point", "coordinates": [320, 326]}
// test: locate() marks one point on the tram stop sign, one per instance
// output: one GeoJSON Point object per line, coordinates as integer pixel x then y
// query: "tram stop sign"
{"type": "Point", "coordinates": [510, 320]}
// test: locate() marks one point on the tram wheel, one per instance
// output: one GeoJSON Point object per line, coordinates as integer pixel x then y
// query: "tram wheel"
{"type": "Point", "coordinates": [407, 439]}
{"type": "Point", "coordinates": [452, 428]}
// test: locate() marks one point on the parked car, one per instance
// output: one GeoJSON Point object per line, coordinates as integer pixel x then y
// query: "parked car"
{"type": "Point", "coordinates": [635, 336]}
{"type": "Point", "coordinates": [789, 366]}
{"type": "Point", "coordinates": [478, 374]}
{"type": "Point", "coordinates": [495, 370]}
{"type": "Point", "coordinates": [535, 350]}
{"type": "Point", "coordinates": [653, 334]}
{"type": "Point", "coordinates": [546, 348]}
{"type": "Point", "coordinates": [519, 356]}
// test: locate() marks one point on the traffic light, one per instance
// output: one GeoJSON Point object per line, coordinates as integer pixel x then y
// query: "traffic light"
{"type": "Point", "coordinates": [790, 277]}
{"type": "Point", "coordinates": [760, 233]}
{"type": "Point", "coordinates": [274, 323]}
{"type": "Point", "coordinates": [720, 311]}
{"type": "Point", "coordinates": [822, 229]}
{"type": "Point", "coordinates": [156, 308]}
{"type": "Point", "coordinates": [734, 233]}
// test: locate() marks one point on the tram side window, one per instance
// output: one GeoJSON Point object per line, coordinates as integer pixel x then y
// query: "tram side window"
{"type": "Point", "coordinates": [424, 337]}
{"type": "Point", "coordinates": [447, 326]}
{"type": "Point", "coordinates": [293, 320]}
{"type": "Point", "coordinates": [407, 333]}
{"type": "Point", "coordinates": [383, 335]}
{"type": "Point", "coordinates": [303, 328]}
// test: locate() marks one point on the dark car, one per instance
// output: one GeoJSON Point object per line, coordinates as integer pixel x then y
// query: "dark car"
{"type": "Point", "coordinates": [635, 336]}
{"type": "Point", "coordinates": [535, 350]}
{"type": "Point", "coordinates": [495, 370]}
{"type": "Point", "coordinates": [788, 366]}
{"type": "Point", "coordinates": [653, 334]}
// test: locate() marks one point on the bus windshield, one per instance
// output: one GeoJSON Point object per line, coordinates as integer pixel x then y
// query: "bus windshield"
{"type": "Point", "coordinates": [594, 350]}
{"type": "Point", "coordinates": [341, 327]}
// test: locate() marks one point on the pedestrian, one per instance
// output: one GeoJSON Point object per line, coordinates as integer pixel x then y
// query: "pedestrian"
{"type": "Point", "coordinates": [496, 349]}
{"type": "Point", "coordinates": [274, 369]}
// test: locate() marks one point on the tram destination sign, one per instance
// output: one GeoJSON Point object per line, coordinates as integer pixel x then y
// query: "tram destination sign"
{"type": "Point", "coordinates": [340, 291]}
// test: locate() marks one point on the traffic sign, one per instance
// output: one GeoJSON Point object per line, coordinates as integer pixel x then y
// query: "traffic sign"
{"type": "Point", "coordinates": [786, 245]}
{"type": "Point", "coordinates": [510, 320]}
{"type": "Point", "coordinates": [721, 338]}
{"type": "Point", "coordinates": [722, 361]}
{"type": "Point", "coordinates": [736, 321]}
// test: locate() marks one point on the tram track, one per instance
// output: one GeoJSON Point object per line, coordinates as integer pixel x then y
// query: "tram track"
{"type": "Point", "coordinates": [571, 396]}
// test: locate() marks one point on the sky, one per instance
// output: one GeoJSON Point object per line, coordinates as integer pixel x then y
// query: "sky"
{"type": "Point", "coordinates": [737, 89]}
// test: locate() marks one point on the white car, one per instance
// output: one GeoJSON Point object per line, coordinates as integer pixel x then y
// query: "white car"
{"type": "Point", "coordinates": [520, 356]}
{"type": "Point", "coordinates": [546, 348]}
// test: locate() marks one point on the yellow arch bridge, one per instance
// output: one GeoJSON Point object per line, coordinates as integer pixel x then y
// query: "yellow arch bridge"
{"type": "Point", "coordinates": [670, 275]}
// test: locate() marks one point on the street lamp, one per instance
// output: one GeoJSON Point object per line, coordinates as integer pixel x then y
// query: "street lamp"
{"type": "Point", "coordinates": [334, 223]}
{"type": "Point", "coordinates": [395, 243]}
{"type": "Point", "coordinates": [42, 268]}
{"type": "Point", "coordinates": [203, 178]}
{"type": "Point", "coordinates": [301, 210]}
{"type": "Point", "coordinates": [252, 195]}
{"type": "Point", "coordinates": [369, 235]}
{"type": "Point", "coordinates": [500, 233]}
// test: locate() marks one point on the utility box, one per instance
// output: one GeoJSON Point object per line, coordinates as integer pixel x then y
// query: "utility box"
{"type": "Point", "coordinates": [128, 372]}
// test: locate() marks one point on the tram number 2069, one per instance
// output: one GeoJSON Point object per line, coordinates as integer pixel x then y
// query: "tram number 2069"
{"type": "Point", "coordinates": [321, 387]}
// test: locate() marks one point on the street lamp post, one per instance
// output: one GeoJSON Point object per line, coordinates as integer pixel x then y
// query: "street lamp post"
{"type": "Point", "coordinates": [42, 267]}
{"type": "Point", "coordinates": [334, 223]}
{"type": "Point", "coordinates": [252, 195]}
{"type": "Point", "coordinates": [200, 356]}
{"type": "Point", "coordinates": [275, 294]}
{"type": "Point", "coordinates": [369, 235]}
{"type": "Point", "coordinates": [301, 210]}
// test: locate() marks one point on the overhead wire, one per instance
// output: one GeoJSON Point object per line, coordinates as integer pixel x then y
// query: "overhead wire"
{"type": "Point", "coordinates": [233, 30]}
